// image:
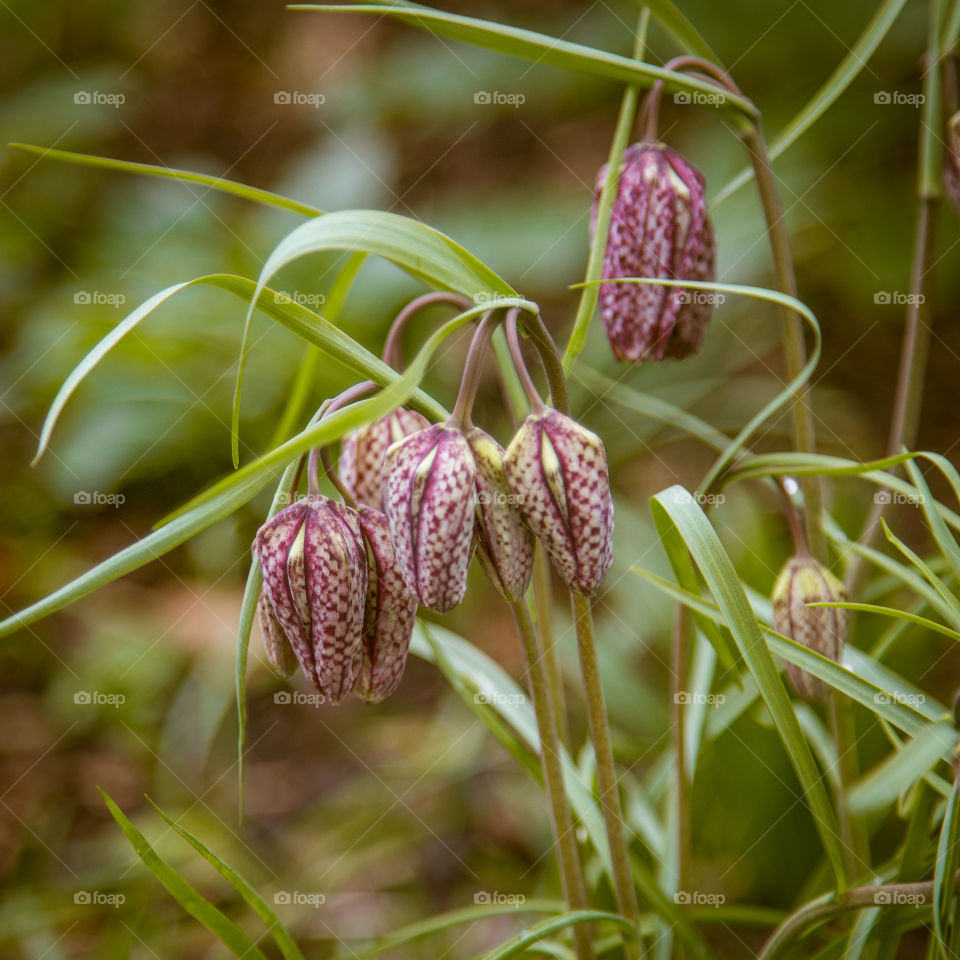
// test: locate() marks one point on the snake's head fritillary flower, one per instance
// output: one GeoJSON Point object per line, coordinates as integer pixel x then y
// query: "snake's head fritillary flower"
{"type": "Point", "coordinates": [951, 162]}
{"type": "Point", "coordinates": [389, 615]}
{"type": "Point", "coordinates": [428, 497]}
{"type": "Point", "coordinates": [659, 227]}
{"type": "Point", "coordinates": [557, 470]}
{"type": "Point", "coordinates": [362, 452]}
{"type": "Point", "coordinates": [504, 542]}
{"type": "Point", "coordinates": [314, 569]}
{"type": "Point", "coordinates": [280, 655]}
{"type": "Point", "coordinates": [803, 581]}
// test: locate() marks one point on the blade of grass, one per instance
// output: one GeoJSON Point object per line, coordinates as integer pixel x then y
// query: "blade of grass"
{"type": "Point", "coordinates": [217, 922]}
{"type": "Point", "coordinates": [522, 942]}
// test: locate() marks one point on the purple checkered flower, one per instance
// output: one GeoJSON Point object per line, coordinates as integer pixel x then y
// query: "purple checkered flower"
{"type": "Point", "coordinates": [558, 472]}
{"type": "Point", "coordinates": [362, 452]}
{"type": "Point", "coordinates": [276, 646]}
{"type": "Point", "coordinates": [429, 499]}
{"type": "Point", "coordinates": [314, 569]}
{"type": "Point", "coordinates": [659, 227]}
{"type": "Point", "coordinates": [389, 615]}
{"type": "Point", "coordinates": [504, 543]}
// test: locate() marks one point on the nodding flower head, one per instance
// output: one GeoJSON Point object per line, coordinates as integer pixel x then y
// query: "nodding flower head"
{"type": "Point", "coordinates": [659, 227]}
{"type": "Point", "coordinates": [314, 569]}
{"type": "Point", "coordinates": [823, 629]}
{"type": "Point", "coordinates": [362, 452]}
{"type": "Point", "coordinates": [280, 655]}
{"type": "Point", "coordinates": [428, 497]}
{"type": "Point", "coordinates": [558, 472]}
{"type": "Point", "coordinates": [504, 542]}
{"type": "Point", "coordinates": [389, 615]}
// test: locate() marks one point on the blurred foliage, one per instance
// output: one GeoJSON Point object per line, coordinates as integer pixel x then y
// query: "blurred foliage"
{"type": "Point", "coordinates": [409, 808]}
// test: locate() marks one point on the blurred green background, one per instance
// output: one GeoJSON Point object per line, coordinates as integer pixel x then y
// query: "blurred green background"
{"type": "Point", "coordinates": [396, 811]}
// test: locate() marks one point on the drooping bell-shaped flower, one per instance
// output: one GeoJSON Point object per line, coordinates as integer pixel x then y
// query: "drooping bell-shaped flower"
{"type": "Point", "coordinates": [557, 471]}
{"type": "Point", "coordinates": [659, 227]}
{"type": "Point", "coordinates": [504, 542]}
{"type": "Point", "coordinates": [280, 655]}
{"type": "Point", "coordinates": [428, 497]}
{"type": "Point", "coordinates": [823, 629]}
{"type": "Point", "coordinates": [362, 452]}
{"type": "Point", "coordinates": [314, 569]}
{"type": "Point", "coordinates": [389, 615]}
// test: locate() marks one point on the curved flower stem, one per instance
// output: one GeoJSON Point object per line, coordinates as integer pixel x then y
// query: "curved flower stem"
{"type": "Point", "coordinates": [472, 370]}
{"type": "Point", "coordinates": [516, 354]}
{"type": "Point", "coordinates": [856, 898]}
{"type": "Point", "coordinates": [550, 358]}
{"type": "Point", "coordinates": [392, 348]}
{"type": "Point", "coordinates": [603, 750]}
{"type": "Point", "coordinates": [550, 759]}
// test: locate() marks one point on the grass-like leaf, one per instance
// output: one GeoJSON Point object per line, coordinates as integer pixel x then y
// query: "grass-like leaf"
{"type": "Point", "coordinates": [901, 769]}
{"type": "Point", "coordinates": [260, 906]}
{"type": "Point", "coordinates": [425, 253]}
{"type": "Point", "coordinates": [948, 858]}
{"type": "Point", "coordinates": [538, 47]}
{"type": "Point", "coordinates": [676, 508]}
{"type": "Point", "coordinates": [229, 934]}
{"type": "Point", "coordinates": [675, 22]}
{"type": "Point", "coordinates": [524, 941]}
{"type": "Point", "coordinates": [255, 194]}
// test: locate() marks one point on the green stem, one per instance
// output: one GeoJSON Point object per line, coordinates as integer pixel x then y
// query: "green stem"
{"type": "Point", "coordinates": [794, 347]}
{"type": "Point", "coordinates": [598, 247]}
{"type": "Point", "coordinates": [543, 602]}
{"type": "Point", "coordinates": [610, 803]}
{"type": "Point", "coordinates": [679, 670]}
{"type": "Point", "coordinates": [472, 370]}
{"type": "Point", "coordinates": [550, 758]}
{"type": "Point", "coordinates": [852, 829]}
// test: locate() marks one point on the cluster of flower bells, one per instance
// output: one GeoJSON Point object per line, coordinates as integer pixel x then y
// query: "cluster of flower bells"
{"type": "Point", "coordinates": [342, 585]}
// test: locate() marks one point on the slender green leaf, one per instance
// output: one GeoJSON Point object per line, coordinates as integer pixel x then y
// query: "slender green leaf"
{"type": "Point", "coordinates": [248, 613]}
{"type": "Point", "coordinates": [260, 906]}
{"type": "Point", "coordinates": [838, 81]}
{"type": "Point", "coordinates": [901, 769]}
{"type": "Point", "coordinates": [152, 170]}
{"type": "Point", "coordinates": [948, 858]}
{"type": "Point", "coordinates": [924, 622]}
{"type": "Point", "coordinates": [674, 508]}
{"type": "Point", "coordinates": [454, 918]}
{"type": "Point", "coordinates": [540, 48]}
{"type": "Point", "coordinates": [945, 540]}
{"type": "Point", "coordinates": [232, 937]}
{"type": "Point", "coordinates": [422, 251]}
{"type": "Point", "coordinates": [684, 32]}
{"type": "Point", "coordinates": [522, 942]}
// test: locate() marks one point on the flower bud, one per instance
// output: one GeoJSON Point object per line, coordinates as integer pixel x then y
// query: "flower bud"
{"type": "Point", "coordinates": [391, 611]}
{"type": "Point", "coordinates": [558, 472]}
{"type": "Point", "coordinates": [504, 543]}
{"type": "Point", "coordinates": [362, 452]}
{"type": "Point", "coordinates": [659, 227]}
{"type": "Point", "coordinates": [315, 573]}
{"type": "Point", "coordinates": [428, 497]}
{"type": "Point", "coordinates": [803, 580]}
{"type": "Point", "coordinates": [280, 655]}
